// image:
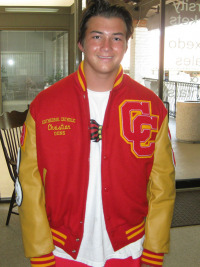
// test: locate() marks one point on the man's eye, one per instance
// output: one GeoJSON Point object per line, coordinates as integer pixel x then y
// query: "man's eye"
{"type": "Point", "coordinates": [96, 37]}
{"type": "Point", "coordinates": [117, 39]}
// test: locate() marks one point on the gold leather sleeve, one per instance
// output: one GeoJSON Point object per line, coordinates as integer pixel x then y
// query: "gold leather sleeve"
{"type": "Point", "coordinates": [161, 194]}
{"type": "Point", "coordinates": [36, 234]}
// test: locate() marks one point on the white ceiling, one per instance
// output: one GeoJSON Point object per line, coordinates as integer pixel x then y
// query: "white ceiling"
{"type": "Point", "coordinates": [36, 3]}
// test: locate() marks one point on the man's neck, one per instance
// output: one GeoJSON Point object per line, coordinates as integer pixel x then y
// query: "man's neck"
{"type": "Point", "coordinates": [100, 82]}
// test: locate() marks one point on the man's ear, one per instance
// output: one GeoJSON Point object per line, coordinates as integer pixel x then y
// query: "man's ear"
{"type": "Point", "coordinates": [80, 46]}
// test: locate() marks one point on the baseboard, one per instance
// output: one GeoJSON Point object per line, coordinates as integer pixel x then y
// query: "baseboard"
{"type": "Point", "coordinates": [188, 183]}
{"type": "Point", "coordinates": [5, 200]}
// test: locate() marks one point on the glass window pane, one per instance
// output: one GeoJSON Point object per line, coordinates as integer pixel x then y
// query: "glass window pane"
{"type": "Point", "coordinates": [30, 62]}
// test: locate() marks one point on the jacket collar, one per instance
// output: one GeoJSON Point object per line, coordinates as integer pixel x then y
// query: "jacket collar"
{"type": "Point", "coordinates": [82, 79]}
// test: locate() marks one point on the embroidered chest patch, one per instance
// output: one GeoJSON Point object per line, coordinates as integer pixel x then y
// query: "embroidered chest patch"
{"type": "Point", "coordinates": [59, 126]}
{"type": "Point", "coordinates": [138, 127]}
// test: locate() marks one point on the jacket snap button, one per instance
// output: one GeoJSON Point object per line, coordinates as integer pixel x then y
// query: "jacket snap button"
{"type": "Point", "coordinates": [77, 239]}
{"type": "Point", "coordinates": [74, 251]}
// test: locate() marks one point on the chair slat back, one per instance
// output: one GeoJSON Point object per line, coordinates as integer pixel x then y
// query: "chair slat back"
{"type": "Point", "coordinates": [10, 131]}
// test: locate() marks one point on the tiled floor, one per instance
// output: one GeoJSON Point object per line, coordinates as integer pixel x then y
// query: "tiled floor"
{"type": "Point", "coordinates": [184, 245]}
{"type": "Point", "coordinates": [187, 155]}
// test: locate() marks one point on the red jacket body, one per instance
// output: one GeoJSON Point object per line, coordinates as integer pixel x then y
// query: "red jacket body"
{"type": "Point", "coordinates": [137, 167]}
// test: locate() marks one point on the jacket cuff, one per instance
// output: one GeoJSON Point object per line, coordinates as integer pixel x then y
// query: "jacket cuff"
{"type": "Point", "coordinates": [43, 261]}
{"type": "Point", "coordinates": [152, 259]}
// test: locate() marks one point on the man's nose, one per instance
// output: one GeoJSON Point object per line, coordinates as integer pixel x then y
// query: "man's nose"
{"type": "Point", "coordinates": [106, 44]}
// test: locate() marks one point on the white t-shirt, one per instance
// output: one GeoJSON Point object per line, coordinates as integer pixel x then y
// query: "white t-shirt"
{"type": "Point", "coordinates": [96, 247]}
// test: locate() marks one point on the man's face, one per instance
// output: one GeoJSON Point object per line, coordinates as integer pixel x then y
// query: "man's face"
{"type": "Point", "coordinates": [104, 45]}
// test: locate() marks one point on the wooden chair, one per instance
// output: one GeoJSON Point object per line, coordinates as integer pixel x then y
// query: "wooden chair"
{"type": "Point", "coordinates": [10, 131]}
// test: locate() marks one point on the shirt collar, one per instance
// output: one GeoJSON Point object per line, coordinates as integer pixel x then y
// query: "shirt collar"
{"type": "Point", "coordinates": [82, 79]}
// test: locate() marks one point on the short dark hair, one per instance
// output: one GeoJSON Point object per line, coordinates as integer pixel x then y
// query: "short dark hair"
{"type": "Point", "coordinates": [105, 8]}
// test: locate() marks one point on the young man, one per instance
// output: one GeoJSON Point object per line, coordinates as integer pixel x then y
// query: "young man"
{"type": "Point", "coordinates": [96, 169]}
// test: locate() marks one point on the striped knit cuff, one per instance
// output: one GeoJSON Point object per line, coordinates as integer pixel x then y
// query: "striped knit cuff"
{"type": "Point", "coordinates": [44, 261]}
{"type": "Point", "coordinates": [151, 258]}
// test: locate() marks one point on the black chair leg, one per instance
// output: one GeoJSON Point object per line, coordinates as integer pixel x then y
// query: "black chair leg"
{"type": "Point", "coordinates": [12, 202]}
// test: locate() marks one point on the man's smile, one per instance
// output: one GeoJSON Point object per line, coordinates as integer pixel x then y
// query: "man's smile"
{"type": "Point", "coordinates": [105, 57]}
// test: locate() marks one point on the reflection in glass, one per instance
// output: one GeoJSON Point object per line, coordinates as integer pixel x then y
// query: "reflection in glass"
{"type": "Point", "coordinates": [30, 62]}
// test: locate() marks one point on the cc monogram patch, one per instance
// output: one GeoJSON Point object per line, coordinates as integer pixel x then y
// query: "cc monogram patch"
{"type": "Point", "coordinates": [138, 127]}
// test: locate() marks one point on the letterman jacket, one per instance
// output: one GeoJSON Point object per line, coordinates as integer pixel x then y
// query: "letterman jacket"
{"type": "Point", "coordinates": [138, 186]}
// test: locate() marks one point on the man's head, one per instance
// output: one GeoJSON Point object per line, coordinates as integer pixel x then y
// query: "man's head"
{"type": "Point", "coordinates": [105, 8]}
